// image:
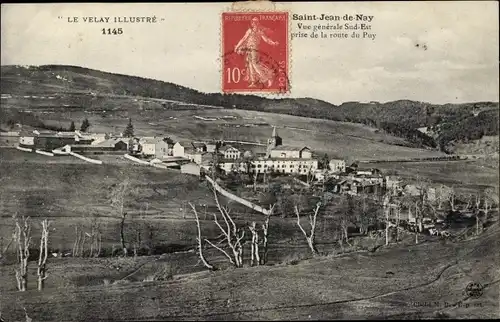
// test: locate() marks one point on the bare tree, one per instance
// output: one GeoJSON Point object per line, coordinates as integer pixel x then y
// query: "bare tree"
{"type": "Point", "coordinates": [477, 210]}
{"type": "Point", "coordinates": [452, 199]}
{"type": "Point", "coordinates": [137, 240]}
{"type": "Point", "coordinates": [118, 199]}
{"type": "Point", "coordinates": [346, 216]}
{"type": "Point", "coordinates": [468, 198]}
{"type": "Point", "coordinates": [199, 240]}
{"type": "Point", "coordinates": [78, 245]}
{"type": "Point", "coordinates": [265, 180]}
{"type": "Point", "coordinates": [122, 234]}
{"type": "Point", "coordinates": [387, 211]}
{"type": "Point", "coordinates": [255, 176]}
{"type": "Point", "coordinates": [42, 258]}
{"type": "Point", "coordinates": [258, 257]}
{"type": "Point", "coordinates": [233, 235]}
{"type": "Point", "coordinates": [477, 201]}
{"type": "Point", "coordinates": [418, 222]}
{"type": "Point", "coordinates": [150, 230]}
{"type": "Point", "coordinates": [95, 239]}
{"type": "Point", "coordinates": [28, 319]}
{"type": "Point", "coordinates": [490, 200]}
{"type": "Point", "coordinates": [254, 246]}
{"type": "Point", "coordinates": [398, 220]}
{"type": "Point", "coordinates": [363, 214]}
{"type": "Point", "coordinates": [312, 222]}
{"type": "Point", "coordinates": [23, 241]}
{"type": "Point", "coordinates": [440, 196]}
{"type": "Point", "coordinates": [487, 206]}
{"type": "Point", "coordinates": [265, 230]}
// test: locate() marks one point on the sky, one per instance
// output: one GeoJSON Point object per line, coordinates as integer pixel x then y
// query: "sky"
{"type": "Point", "coordinates": [459, 64]}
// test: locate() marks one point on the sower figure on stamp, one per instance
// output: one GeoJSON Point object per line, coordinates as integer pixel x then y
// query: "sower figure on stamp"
{"type": "Point", "coordinates": [256, 72]}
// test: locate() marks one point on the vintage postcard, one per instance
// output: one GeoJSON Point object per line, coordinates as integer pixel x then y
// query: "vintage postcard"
{"type": "Point", "coordinates": [249, 161]}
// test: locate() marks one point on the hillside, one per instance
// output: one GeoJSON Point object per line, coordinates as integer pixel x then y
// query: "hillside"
{"type": "Point", "coordinates": [421, 281]}
{"type": "Point", "coordinates": [401, 118]}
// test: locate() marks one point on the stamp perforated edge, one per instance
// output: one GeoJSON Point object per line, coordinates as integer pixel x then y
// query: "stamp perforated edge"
{"type": "Point", "coordinates": [289, 49]}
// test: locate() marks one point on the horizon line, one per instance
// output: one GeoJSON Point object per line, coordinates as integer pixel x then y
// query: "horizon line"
{"type": "Point", "coordinates": [252, 94]}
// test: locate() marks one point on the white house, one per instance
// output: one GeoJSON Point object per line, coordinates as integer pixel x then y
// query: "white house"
{"type": "Point", "coordinates": [233, 165]}
{"type": "Point", "coordinates": [179, 149]}
{"type": "Point", "coordinates": [337, 165]}
{"type": "Point", "coordinates": [211, 146]}
{"type": "Point", "coordinates": [393, 183]}
{"type": "Point", "coordinates": [284, 165]}
{"type": "Point", "coordinates": [10, 134]}
{"type": "Point", "coordinates": [268, 165]}
{"type": "Point", "coordinates": [27, 140]}
{"type": "Point", "coordinates": [285, 151]}
{"type": "Point", "coordinates": [94, 137]}
{"type": "Point", "coordinates": [201, 157]}
{"type": "Point", "coordinates": [154, 146]}
{"type": "Point", "coordinates": [199, 146]}
{"type": "Point", "coordinates": [230, 152]}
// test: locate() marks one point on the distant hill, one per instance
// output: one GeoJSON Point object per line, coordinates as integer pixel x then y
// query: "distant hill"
{"type": "Point", "coordinates": [452, 122]}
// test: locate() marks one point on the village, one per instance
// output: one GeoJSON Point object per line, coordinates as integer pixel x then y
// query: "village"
{"type": "Point", "coordinates": [407, 204]}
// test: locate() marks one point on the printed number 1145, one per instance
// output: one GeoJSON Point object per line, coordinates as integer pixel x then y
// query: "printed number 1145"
{"type": "Point", "coordinates": [113, 31]}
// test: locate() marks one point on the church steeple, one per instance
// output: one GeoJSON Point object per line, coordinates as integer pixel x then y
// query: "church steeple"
{"type": "Point", "coordinates": [273, 142]}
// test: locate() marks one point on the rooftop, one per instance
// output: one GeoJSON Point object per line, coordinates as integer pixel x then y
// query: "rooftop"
{"type": "Point", "coordinates": [174, 159]}
{"type": "Point", "coordinates": [87, 134]}
{"type": "Point", "coordinates": [184, 143]}
{"type": "Point", "coordinates": [227, 147]}
{"type": "Point", "coordinates": [198, 144]}
{"type": "Point", "coordinates": [285, 159]}
{"type": "Point", "coordinates": [150, 140]}
{"type": "Point", "coordinates": [289, 148]}
{"type": "Point", "coordinates": [109, 142]}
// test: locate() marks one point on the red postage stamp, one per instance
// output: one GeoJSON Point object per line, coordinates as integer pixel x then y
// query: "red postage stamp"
{"type": "Point", "coordinates": [255, 52]}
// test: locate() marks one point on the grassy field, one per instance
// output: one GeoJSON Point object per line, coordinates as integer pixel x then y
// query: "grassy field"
{"type": "Point", "coordinates": [71, 193]}
{"type": "Point", "coordinates": [467, 176]}
{"type": "Point", "coordinates": [422, 281]}
{"type": "Point", "coordinates": [347, 140]}
{"type": "Point", "coordinates": [340, 139]}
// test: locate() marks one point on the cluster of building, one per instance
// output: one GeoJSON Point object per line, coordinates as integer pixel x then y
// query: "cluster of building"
{"type": "Point", "coordinates": [278, 158]}
{"type": "Point", "coordinates": [192, 156]}
{"type": "Point", "coordinates": [72, 141]}
{"type": "Point", "coordinates": [195, 157]}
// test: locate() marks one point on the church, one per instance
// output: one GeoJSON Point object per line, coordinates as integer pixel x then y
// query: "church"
{"type": "Point", "coordinates": [279, 158]}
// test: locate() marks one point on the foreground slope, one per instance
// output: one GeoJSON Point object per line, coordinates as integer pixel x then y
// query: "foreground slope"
{"type": "Point", "coordinates": [422, 281]}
